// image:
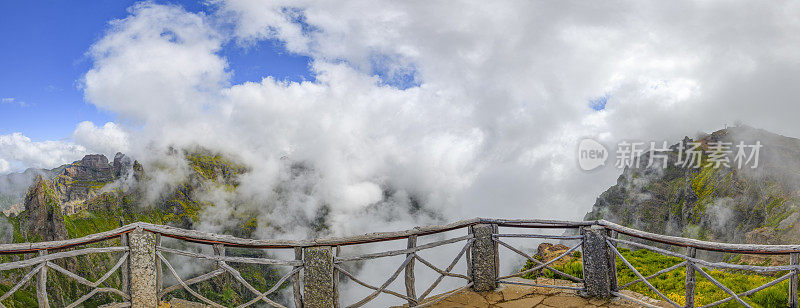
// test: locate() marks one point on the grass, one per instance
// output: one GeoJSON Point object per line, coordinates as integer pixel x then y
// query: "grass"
{"type": "Point", "coordinates": [672, 284]}
{"type": "Point", "coordinates": [215, 166]}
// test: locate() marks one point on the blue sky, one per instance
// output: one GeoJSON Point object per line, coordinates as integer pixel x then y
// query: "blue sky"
{"type": "Point", "coordinates": [494, 117]}
{"type": "Point", "coordinates": [42, 60]}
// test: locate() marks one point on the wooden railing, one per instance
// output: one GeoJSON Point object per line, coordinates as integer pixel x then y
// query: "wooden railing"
{"type": "Point", "coordinates": [318, 266]}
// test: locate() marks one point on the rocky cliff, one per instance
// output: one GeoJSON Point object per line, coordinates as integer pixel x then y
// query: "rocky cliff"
{"type": "Point", "coordinates": [730, 204]}
{"type": "Point", "coordinates": [14, 187]}
{"type": "Point", "coordinates": [66, 190]}
{"type": "Point", "coordinates": [42, 217]}
{"type": "Point", "coordinates": [94, 195]}
{"type": "Point", "coordinates": [81, 180]}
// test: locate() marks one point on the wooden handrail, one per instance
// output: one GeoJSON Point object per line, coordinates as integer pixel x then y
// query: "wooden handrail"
{"type": "Point", "coordinates": [92, 238]}
{"type": "Point", "coordinates": [481, 248]}
{"type": "Point", "coordinates": [703, 245]}
{"type": "Point", "coordinates": [211, 238]}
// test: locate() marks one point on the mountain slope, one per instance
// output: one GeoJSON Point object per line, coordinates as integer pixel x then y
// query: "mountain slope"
{"type": "Point", "coordinates": [14, 186]}
{"type": "Point", "coordinates": [93, 195]}
{"type": "Point", "coordinates": [729, 204]}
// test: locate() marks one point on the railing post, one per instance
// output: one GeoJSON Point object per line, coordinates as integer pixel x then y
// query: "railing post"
{"type": "Point", "coordinates": [124, 269]}
{"type": "Point", "coordinates": [337, 252]}
{"type": "Point", "coordinates": [484, 265]}
{"type": "Point", "coordinates": [143, 275]}
{"type": "Point", "coordinates": [296, 288]}
{"type": "Point", "coordinates": [318, 290]}
{"type": "Point", "coordinates": [614, 286]}
{"type": "Point", "coordinates": [159, 270]}
{"type": "Point", "coordinates": [598, 271]}
{"type": "Point", "coordinates": [219, 250]}
{"type": "Point", "coordinates": [794, 259]}
{"type": "Point", "coordinates": [690, 280]}
{"type": "Point", "coordinates": [411, 290]}
{"type": "Point", "coordinates": [41, 285]}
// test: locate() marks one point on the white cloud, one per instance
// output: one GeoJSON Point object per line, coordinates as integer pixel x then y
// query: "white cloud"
{"type": "Point", "coordinates": [5, 166]}
{"type": "Point", "coordinates": [31, 154]}
{"type": "Point", "coordinates": [108, 140]}
{"type": "Point", "coordinates": [491, 129]}
{"type": "Point", "coordinates": [18, 152]}
{"type": "Point", "coordinates": [501, 104]}
{"type": "Point", "coordinates": [157, 65]}
{"type": "Point", "coordinates": [12, 100]}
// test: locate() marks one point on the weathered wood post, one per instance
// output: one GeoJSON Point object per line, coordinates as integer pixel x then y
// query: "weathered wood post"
{"type": "Point", "coordinates": [598, 263]}
{"type": "Point", "coordinates": [794, 259]}
{"type": "Point", "coordinates": [41, 284]}
{"type": "Point", "coordinates": [144, 292]}
{"type": "Point", "coordinates": [337, 252]}
{"type": "Point", "coordinates": [318, 290]}
{"type": "Point", "coordinates": [613, 262]}
{"type": "Point", "coordinates": [296, 286]}
{"type": "Point", "coordinates": [125, 268]}
{"type": "Point", "coordinates": [484, 261]}
{"type": "Point", "coordinates": [411, 289]}
{"type": "Point", "coordinates": [690, 277]}
{"type": "Point", "coordinates": [159, 269]}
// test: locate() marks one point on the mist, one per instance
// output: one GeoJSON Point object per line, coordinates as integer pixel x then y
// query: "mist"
{"type": "Point", "coordinates": [478, 118]}
{"type": "Point", "coordinates": [421, 112]}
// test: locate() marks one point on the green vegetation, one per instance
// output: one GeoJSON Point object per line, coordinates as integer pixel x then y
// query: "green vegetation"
{"type": "Point", "coordinates": [50, 196]}
{"type": "Point", "coordinates": [64, 290]}
{"type": "Point", "coordinates": [112, 209]}
{"type": "Point", "coordinates": [92, 185]}
{"type": "Point", "coordinates": [214, 166]}
{"type": "Point", "coordinates": [222, 289]}
{"type": "Point", "coordinates": [6, 201]}
{"type": "Point", "coordinates": [672, 283]}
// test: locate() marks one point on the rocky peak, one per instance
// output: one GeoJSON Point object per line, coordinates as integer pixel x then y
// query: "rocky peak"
{"type": "Point", "coordinates": [122, 165]}
{"type": "Point", "coordinates": [42, 216]}
{"type": "Point", "coordinates": [95, 161]}
{"type": "Point", "coordinates": [723, 203]}
{"type": "Point", "coordinates": [93, 167]}
{"type": "Point", "coordinates": [82, 179]}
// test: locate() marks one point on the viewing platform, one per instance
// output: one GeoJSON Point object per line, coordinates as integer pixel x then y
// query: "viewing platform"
{"type": "Point", "coordinates": [310, 273]}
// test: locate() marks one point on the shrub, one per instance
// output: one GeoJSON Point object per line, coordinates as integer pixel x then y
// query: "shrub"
{"type": "Point", "coordinates": [672, 284]}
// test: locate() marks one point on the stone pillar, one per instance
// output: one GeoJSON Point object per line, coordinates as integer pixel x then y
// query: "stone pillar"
{"type": "Point", "coordinates": [318, 290]}
{"type": "Point", "coordinates": [598, 263]}
{"type": "Point", "coordinates": [484, 267]}
{"type": "Point", "coordinates": [143, 269]}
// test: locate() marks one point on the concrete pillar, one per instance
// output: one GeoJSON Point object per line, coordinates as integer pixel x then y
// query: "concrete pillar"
{"type": "Point", "coordinates": [143, 260]}
{"type": "Point", "coordinates": [484, 265]}
{"type": "Point", "coordinates": [318, 290]}
{"type": "Point", "coordinates": [599, 273]}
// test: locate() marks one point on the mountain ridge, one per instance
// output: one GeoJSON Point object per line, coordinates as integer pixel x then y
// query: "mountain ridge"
{"type": "Point", "coordinates": [727, 204]}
